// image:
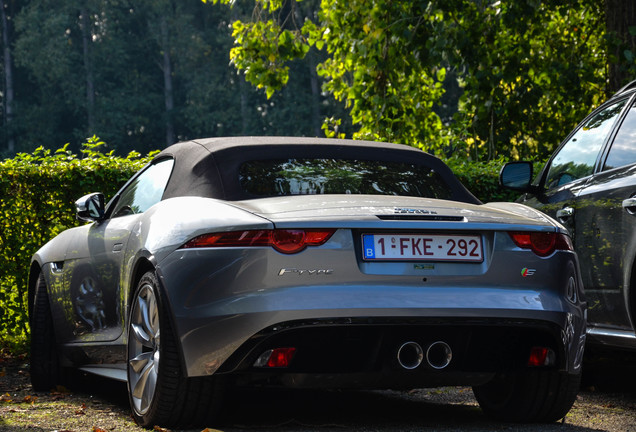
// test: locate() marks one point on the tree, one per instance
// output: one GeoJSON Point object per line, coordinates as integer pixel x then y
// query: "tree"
{"type": "Point", "coordinates": [140, 74]}
{"type": "Point", "coordinates": [620, 18]}
{"type": "Point", "coordinates": [530, 72]}
{"type": "Point", "coordinates": [8, 74]}
{"type": "Point", "coordinates": [528, 69]}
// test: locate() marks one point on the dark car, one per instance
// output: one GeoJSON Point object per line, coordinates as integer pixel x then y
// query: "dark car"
{"type": "Point", "coordinates": [307, 262]}
{"type": "Point", "coordinates": [589, 185]}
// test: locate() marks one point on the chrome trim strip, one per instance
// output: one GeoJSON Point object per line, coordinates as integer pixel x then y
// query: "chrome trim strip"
{"type": "Point", "coordinates": [617, 337]}
{"type": "Point", "coordinates": [117, 372]}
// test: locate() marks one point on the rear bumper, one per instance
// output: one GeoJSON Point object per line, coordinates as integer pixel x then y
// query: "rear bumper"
{"type": "Point", "coordinates": [330, 341]}
{"type": "Point", "coordinates": [227, 314]}
{"type": "Point", "coordinates": [363, 353]}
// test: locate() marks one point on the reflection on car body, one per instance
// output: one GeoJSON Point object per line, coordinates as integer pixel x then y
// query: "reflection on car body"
{"type": "Point", "coordinates": [308, 263]}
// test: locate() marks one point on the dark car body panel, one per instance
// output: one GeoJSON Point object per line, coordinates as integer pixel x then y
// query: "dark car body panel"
{"type": "Point", "coordinates": [597, 211]}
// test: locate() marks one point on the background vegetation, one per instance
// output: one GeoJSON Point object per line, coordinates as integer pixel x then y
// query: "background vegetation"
{"type": "Point", "coordinates": [474, 79]}
{"type": "Point", "coordinates": [477, 82]}
{"type": "Point", "coordinates": [37, 192]}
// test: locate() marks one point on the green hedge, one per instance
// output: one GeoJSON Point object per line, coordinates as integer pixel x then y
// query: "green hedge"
{"type": "Point", "coordinates": [37, 196]}
{"type": "Point", "coordinates": [482, 178]}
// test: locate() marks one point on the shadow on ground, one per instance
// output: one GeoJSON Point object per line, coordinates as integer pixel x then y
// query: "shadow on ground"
{"type": "Point", "coordinates": [608, 395]}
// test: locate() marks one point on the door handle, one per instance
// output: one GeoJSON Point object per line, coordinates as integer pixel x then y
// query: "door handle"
{"type": "Point", "coordinates": [630, 205]}
{"type": "Point", "coordinates": [564, 214]}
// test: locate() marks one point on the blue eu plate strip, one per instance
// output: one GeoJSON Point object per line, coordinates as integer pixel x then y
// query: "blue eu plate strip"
{"type": "Point", "coordinates": [369, 246]}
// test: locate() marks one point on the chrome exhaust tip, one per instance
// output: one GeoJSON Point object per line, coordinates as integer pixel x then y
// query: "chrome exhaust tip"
{"type": "Point", "coordinates": [439, 355]}
{"type": "Point", "coordinates": [410, 355]}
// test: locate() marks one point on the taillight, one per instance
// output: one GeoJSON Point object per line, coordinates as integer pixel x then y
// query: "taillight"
{"type": "Point", "coordinates": [286, 241]}
{"type": "Point", "coordinates": [541, 356]}
{"type": "Point", "coordinates": [542, 243]}
{"type": "Point", "coordinates": [276, 358]}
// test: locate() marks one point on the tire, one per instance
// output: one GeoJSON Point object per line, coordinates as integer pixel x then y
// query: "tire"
{"type": "Point", "coordinates": [529, 396]}
{"type": "Point", "coordinates": [45, 369]}
{"type": "Point", "coordinates": [158, 391]}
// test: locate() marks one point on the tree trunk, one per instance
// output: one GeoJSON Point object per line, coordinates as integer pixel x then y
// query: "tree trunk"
{"type": "Point", "coordinates": [316, 118]}
{"type": "Point", "coordinates": [620, 16]}
{"type": "Point", "coordinates": [88, 67]}
{"type": "Point", "coordinates": [168, 91]}
{"type": "Point", "coordinates": [8, 80]}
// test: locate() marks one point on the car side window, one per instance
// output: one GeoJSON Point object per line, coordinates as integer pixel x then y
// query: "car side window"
{"type": "Point", "coordinates": [144, 191]}
{"type": "Point", "coordinates": [623, 150]}
{"type": "Point", "coordinates": [577, 157]}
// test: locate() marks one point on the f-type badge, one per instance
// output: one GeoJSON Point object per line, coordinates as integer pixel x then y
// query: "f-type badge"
{"type": "Point", "coordinates": [299, 272]}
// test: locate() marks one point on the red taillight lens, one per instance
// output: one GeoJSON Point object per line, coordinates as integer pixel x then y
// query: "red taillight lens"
{"type": "Point", "coordinates": [542, 243]}
{"type": "Point", "coordinates": [276, 358]}
{"type": "Point", "coordinates": [541, 356]}
{"type": "Point", "coordinates": [281, 357]}
{"type": "Point", "coordinates": [287, 241]}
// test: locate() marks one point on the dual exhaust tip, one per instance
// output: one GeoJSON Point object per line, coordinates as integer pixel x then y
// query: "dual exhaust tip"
{"type": "Point", "coordinates": [437, 355]}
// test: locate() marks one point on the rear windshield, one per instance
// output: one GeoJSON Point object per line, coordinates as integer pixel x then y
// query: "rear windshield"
{"type": "Point", "coordinates": [337, 176]}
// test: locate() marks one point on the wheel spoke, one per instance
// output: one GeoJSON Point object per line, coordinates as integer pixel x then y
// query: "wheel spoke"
{"type": "Point", "coordinates": [152, 316]}
{"type": "Point", "coordinates": [149, 387]}
{"type": "Point", "coordinates": [144, 306]}
{"type": "Point", "coordinates": [141, 336]}
{"type": "Point", "coordinates": [144, 388]}
{"type": "Point", "coordinates": [139, 362]}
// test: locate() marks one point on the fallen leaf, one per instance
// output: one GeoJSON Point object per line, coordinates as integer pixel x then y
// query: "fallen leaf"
{"type": "Point", "coordinates": [81, 410]}
{"type": "Point", "coordinates": [30, 399]}
{"type": "Point", "coordinates": [98, 429]}
{"type": "Point", "coordinates": [6, 398]}
{"type": "Point", "coordinates": [160, 429]}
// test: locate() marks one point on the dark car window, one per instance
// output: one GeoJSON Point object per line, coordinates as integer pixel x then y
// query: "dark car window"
{"type": "Point", "coordinates": [623, 151]}
{"type": "Point", "coordinates": [577, 157]}
{"type": "Point", "coordinates": [338, 176]}
{"type": "Point", "coordinates": [144, 191]}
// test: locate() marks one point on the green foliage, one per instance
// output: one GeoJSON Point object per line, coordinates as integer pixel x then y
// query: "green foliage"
{"type": "Point", "coordinates": [371, 66]}
{"type": "Point", "coordinates": [37, 195]}
{"type": "Point", "coordinates": [482, 178]}
{"type": "Point", "coordinates": [533, 70]}
{"type": "Point", "coordinates": [529, 70]}
{"type": "Point", "coordinates": [59, 56]}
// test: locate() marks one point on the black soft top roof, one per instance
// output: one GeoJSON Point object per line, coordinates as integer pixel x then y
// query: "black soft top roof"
{"type": "Point", "coordinates": [209, 167]}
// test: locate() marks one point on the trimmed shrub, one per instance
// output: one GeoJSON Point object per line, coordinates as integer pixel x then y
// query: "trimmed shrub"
{"type": "Point", "coordinates": [37, 196]}
{"type": "Point", "coordinates": [482, 178]}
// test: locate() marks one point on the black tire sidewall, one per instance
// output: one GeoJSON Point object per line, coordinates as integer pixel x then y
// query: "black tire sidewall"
{"type": "Point", "coordinates": [529, 396]}
{"type": "Point", "coordinates": [45, 364]}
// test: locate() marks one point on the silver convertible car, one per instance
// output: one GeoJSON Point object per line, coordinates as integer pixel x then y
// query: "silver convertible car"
{"type": "Point", "coordinates": [310, 263]}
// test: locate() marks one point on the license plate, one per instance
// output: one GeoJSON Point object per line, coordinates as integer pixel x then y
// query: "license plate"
{"type": "Point", "coordinates": [419, 247]}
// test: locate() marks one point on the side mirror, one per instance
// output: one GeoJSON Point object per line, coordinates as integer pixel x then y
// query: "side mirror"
{"type": "Point", "coordinates": [90, 207]}
{"type": "Point", "coordinates": [516, 176]}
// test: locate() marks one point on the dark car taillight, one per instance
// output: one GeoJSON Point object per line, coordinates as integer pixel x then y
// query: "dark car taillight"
{"type": "Point", "coordinates": [542, 243]}
{"type": "Point", "coordinates": [287, 241]}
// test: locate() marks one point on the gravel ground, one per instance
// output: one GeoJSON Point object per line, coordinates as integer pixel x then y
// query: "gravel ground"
{"type": "Point", "coordinates": [607, 402]}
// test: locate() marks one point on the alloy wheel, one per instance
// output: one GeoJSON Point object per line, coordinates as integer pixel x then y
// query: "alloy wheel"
{"type": "Point", "coordinates": [143, 349]}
